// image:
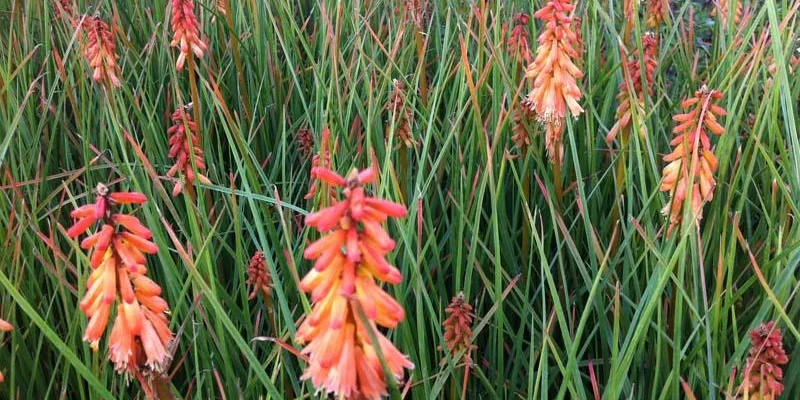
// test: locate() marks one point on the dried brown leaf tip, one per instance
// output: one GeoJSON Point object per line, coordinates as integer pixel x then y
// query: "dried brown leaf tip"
{"type": "Point", "coordinates": [401, 114]}
{"type": "Point", "coordinates": [632, 73]}
{"type": "Point", "coordinates": [555, 88]}
{"type": "Point", "coordinates": [100, 51]}
{"type": "Point", "coordinates": [458, 326]}
{"type": "Point", "coordinates": [186, 32]}
{"type": "Point", "coordinates": [517, 43]}
{"type": "Point", "coordinates": [763, 373]}
{"type": "Point", "coordinates": [692, 149]}
{"type": "Point", "coordinates": [184, 147]}
{"type": "Point", "coordinates": [258, 276]}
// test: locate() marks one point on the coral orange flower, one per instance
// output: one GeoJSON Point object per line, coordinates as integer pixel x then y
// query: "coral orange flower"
{"type": "Point", "coordinates": [555, 89]}
{"type": "Point", "coordinates": [100, 51]}
{"type": "Point", "coordinates": [763, 373]}
{"type": "Point", "coordinates": [4, 327]}
{"type": "Point", "coordinates": [517, 42]}
{"type": "Point", "coordinates": [632, 72]}
{"type": "Point", "coordinates": [350, 256]}
{"type": "Point", "coordinates": [186, 32]}
{"type": "Point", "coordinates": [320, 160]}
{"type": "Point", "coordinates": [140, 335]}
{"type": "Point", "coordinates": [181, 133]}
{"type": "Point", "coordinates": [458, 326]}
{"type": "Point", "coordinates": [400, 114]}
{"type": "Point", "coordinates": [692, 149]}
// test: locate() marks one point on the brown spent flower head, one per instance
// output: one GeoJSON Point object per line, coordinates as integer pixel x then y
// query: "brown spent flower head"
{"type": "Point", "coordinates": [186, 32]}
{"type": "Point", "coordinates": [458, 326]}
{"type": "Point", "coordinates": [523, 118]}
{"type": "Point", "coordinates": [100, 51]}
{"type": "Point", "coordinates": [692, 149]}
{"type": "Point", "coordinates": [304, 139]}
{"type": "Point", "coordinates": [418, 9]}
{"type": "Point", "coordinates": [762, 372]}
{"type": "Point", "coordinates": [400, 115]}
{"type": "Point", "coordinates": [349, 258]}
{"type": "Point", "coordinates": [632, 72]}
{"type": "Point", "coordinates": [722, 7]}
{"type": "Point", "coordinates": [258, 276]}
{"type": "Point", "coordinates": [180, 133]}
{"type": "Point", "coordinates": [4, 327]}
{"type": "Point", "coordinates": [656, 10]}
{"type": "Point", "coordinates": [140, 335]}
{"type": "Point", "coordinates": [517, 43]}
{"type": "Point", "coordinates": [555, 88]}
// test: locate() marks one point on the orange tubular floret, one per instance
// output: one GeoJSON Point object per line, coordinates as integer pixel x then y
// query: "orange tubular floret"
{"type": "Point", "coordinates": [342, 285]}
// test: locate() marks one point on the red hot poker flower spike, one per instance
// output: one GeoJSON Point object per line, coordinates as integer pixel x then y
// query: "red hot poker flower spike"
{"type": "Point", "coordinates": [555, 88]}
{"type": "Point", "coordinates": [140, 335]}
{"type": "Point", "coordinates": [183, 153]}
{"type": "Point", "coordinates": [692, 147]}
{"type": "Point", "coordinates": [458, 326]}
{"type": "Point", "coordinates": [4, 327]}
{"type": "Point", "coordinates": [763, 373]}
{"type": "Point", "coordinates": [186, 32]}
{"type": "Point", "coordinates": [400, 114]}
{"type": "Point", "coordinates": [349, 258]}
{"type": "Point", "coordinates": [517, 43]}
{"type": "Point", "coordinates": [258, 276]}
{"type": "Point", "coordinates": [100, 50]}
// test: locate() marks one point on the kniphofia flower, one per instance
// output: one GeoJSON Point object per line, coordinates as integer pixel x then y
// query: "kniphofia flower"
{"type": "Point", "coordinates": [762, 372]}
{"type": "Point", "coordinates": [458, 326]}
{"type": "Point", "coordinates": [522, 120]}
{"type": "Point", "coordinates": [632, 73]}
{"type": "Point", "coordinates": [723, 9]}
{"type": "Point", "coordinates": [118, 285]}
{"type": "Point", "coordinates": [320, 160]}
{"type": "Point", "coordinates": [692, 149]}
{"type": "Point", "coordinates": [304, 139]}
{"type": "Point", "coordinates": [400, 114]}
{"type": "Point", "coordinates": [555, 88]}
{"type": "Point", "coordinates": [100, 51]}
{"type": "Point", "coordinates": [181, 133]}
{"type": "Point", "coordinates": [62, 7]}
{"type": "Point", "coordinates": [4, 327]}
{"type": "Point", "coordinates": [517, 43]}
{"type": "Point", "coordinates": [349, 258]}
{"type": "Point", "coordinates": [656, 10]}
{"type": "Point", "coordinates": [258, 276]}
{"type": "Point", "coordinates": [186, 32]}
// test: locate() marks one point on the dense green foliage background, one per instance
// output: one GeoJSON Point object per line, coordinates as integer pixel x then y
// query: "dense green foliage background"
{"type": "Point", "coordinates": [564, 295]}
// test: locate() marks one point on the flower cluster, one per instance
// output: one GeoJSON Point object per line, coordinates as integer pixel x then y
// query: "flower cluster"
{"type": "Point", "coordinates": [186, 32]}
{"type": "Point", "coordinates": [140, 335]}
{"type": "Point", "coordinates": [723, 9]}
{"type": "Point", "coordinates": [763, 373]}
{"type": "Point", "coordinates": [4, 327]}
{"type": "Point", "coordinates": [517, 42]}
{"type": "Point", "coordinates": [632, 72]}
{"type": "Point", "coordinates": [692, 162]}
{"type": "Point", "coordinates": [100, 51]}
{"type": "Point", "coordinates": [522, 119]}
{"type": "Point", "coordinates": [320, 160]}
{"type": "Point", "coordinates": [400, 114]}
{"type": "Point", "coordinates": [304, 139]}
{"type": "Point", "coordinates": [656, 10]}
{"type": "Point", "coordinates": [62, 7]}
{"type": "Point", "coordinates": [458, 326]}
{"type": "Point", "coordinates": [347, 302]}
{"type": "Point", "coordinates": [183, 152]}
{"type": "Point", "coordinates": [555, 88]}
{"type": "Point", "coordinates": [258, 276]}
